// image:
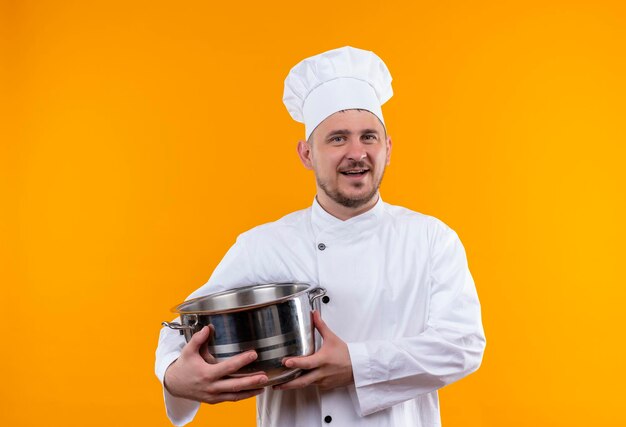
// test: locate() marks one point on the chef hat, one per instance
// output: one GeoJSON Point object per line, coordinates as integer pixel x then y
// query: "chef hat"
{"type": "Point", "coordinates": [340, 79]}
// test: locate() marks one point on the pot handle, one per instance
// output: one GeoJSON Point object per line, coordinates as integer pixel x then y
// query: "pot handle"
{"type": "Point", "coordinates": [176, 325]}
{"type": "Point", "coordinates": [315, 294]}
{"type": "Point", "coordinates": [180, 327]}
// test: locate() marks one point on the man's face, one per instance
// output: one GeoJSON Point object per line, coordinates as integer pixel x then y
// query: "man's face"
{"type": "Point", "coordinates": [348, 152]}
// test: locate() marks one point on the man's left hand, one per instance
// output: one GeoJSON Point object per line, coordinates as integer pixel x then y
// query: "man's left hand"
{"type": "Point", "coordinates": [328, 368]}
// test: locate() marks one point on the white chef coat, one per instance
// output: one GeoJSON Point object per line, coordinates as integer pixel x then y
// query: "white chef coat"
{"type": "Point", "coordinates": [401, 297]}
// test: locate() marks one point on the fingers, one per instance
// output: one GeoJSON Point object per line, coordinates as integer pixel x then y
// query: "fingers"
{"type": "Point", "coordinates": [235, 363]}
{"type": "Point", "coordinates": [302, 381]}
{"type": "Point", "coordinates": [206, 354]}
{"type": "Point", "coordinates": [315, 360]}
{"type": "Point", "coordinates": [320, 325]}
{"type": "Point", "coordinates": [303, 362]}
{"type": "Point", "coordinates": [234, 397]}
{"type": "Point", "coordinates": [236, 385]}
{"type": "Point", "coordinates": [196, 341]}
{"type": "Point", "coordinates": [204, 348]}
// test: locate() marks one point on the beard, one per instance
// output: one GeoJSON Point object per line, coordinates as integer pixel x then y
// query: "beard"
{"type": "Point", "coordinates": [347, 201]}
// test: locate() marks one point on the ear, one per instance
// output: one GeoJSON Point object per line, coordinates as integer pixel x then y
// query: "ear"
{"type": "Point", "coordinates": [388, 149]}
{"type": "Point", "coordinates": [304, 151]}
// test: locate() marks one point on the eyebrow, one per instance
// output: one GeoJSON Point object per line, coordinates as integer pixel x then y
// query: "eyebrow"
{"type": "Point", "coordinates": [348, 132]}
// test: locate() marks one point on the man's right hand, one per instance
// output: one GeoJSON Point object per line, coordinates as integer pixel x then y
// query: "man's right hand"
{"type": "Point", "coordinates": [191, 377]}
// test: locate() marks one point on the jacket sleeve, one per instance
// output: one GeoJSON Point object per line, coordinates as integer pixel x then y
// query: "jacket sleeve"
{"type": "Point", "coordinates": [231, 272]}
{"type": "Point", "coordinates": [450, 347]}
{"type": "Point", "coordinates": [180, 411]}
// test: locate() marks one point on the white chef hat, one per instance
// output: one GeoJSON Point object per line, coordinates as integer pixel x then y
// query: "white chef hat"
{"type": "Point", "coordinates": [340, 79]}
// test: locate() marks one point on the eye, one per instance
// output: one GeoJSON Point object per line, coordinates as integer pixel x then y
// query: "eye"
{"type": "Point", "coordinates": [370, 137]}
{"type": "Point", "coordinates": [337, 139]}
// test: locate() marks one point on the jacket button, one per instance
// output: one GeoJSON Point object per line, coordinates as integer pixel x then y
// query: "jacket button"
{"type": "Point", "coordinates": [325, 299]}
{"type": "Point", "coordinates": [321, 246]}
{"type": "Point", "coordinates": [328, 419]}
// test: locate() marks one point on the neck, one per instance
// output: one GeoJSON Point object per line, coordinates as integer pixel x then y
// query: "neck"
{"type": "Point", "coordinates": [342, 212]}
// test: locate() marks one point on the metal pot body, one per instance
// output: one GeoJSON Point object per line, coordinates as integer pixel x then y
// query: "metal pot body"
{"type": "Point", "coordinates": [275, 320]}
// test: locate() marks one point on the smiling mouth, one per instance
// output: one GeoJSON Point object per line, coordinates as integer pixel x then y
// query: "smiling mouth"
{"type": "Point", "coordinates": [354, 172]}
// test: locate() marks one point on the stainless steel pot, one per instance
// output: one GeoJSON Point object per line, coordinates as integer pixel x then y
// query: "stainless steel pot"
{"type": "Point", "coordinates": [273, 319]}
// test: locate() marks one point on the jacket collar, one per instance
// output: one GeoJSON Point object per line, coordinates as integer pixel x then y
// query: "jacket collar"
{"type": "Point", "coordinates": [323, 221]}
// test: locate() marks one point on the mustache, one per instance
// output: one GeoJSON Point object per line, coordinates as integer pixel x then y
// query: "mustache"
{"type": "Point", "coordinates": [353, 164]}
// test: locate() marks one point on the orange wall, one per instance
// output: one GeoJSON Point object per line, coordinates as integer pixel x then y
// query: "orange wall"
{"type": "Point", "coordinates": [139, 138]}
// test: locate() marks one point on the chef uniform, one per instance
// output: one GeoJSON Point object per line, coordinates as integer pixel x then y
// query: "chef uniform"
{"type": "Point", "coordinates": [399, 291]}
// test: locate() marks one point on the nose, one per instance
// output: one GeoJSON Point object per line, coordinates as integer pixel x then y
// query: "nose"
{"type": "Point", "coordinates": [356, 151]}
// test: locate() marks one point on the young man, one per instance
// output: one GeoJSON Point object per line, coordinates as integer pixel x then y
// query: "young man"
{"type": "Point", "coordinates": [402, 318]}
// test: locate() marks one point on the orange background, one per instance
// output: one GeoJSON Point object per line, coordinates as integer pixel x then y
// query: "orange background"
{"type": "Point", "coordinates": [138, 139]}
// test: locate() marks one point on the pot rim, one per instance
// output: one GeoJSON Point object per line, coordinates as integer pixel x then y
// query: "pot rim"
{"type": "Point", "coordinates": [309, 288]}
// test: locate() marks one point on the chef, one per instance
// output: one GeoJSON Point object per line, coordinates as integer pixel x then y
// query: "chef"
{"type": "Point", "coordinates": [401, 317]}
